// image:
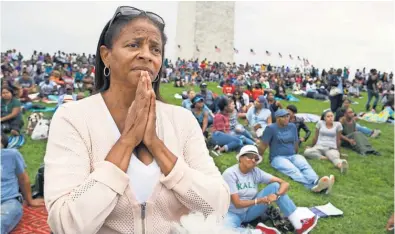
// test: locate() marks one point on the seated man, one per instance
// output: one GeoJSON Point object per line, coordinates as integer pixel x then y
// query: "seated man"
{"type": "Point", "coordinates": [47, 87]}
{"type": "Point", "coordinates": [66, 97]}
{"type": "Point", "coordinates": [299, 123]}
{"type": "Point", "coordinates": [352, 138]}
{"type": "Point", "coordinates": [208, 96]}
{"type": "Point", "coordinates": [365, 130]}
{"type": "Point", "coordinates": [13, 178]}
{"type": "Point", "coordinates": [282, 138]}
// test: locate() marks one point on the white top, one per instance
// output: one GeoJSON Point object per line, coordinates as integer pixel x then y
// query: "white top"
{"type": "Point", "coordinates": [142, 178]}
{"type": "Point", "coordinates": [246, 99]}
{"type": "Point", "coordinates": [328, 136]}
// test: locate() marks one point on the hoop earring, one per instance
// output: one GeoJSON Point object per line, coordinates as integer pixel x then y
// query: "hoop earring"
{"type": "Point", "coordinates": [156, 79]}
{"type": "Point", "coordinates": [108, 73]}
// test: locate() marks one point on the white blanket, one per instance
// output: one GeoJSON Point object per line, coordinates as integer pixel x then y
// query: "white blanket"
{"type": "Point", "coordinates": [309, 118]}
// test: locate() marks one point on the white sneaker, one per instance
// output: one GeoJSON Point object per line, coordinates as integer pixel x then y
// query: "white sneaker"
{"type": "Point", "coordinates": [322, 184]}
{"type": "Point", "coordinates": [344, 167]}
{"type": "Point", "coordinates": [375, 133]}
{"type": "Point", "coordinates": [331, 183]}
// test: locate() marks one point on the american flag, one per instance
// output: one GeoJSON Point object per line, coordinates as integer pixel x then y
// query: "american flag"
{"type": "Point", "coordinates": [252, 52]}
{"type": "Point", "coordinates": [298, 58]}
{"type": "Point", "coordinates": [197, 49]}
{"type": "Point", "coordinates": [235, 50]}
{"type": "Point", "coordinates": [290, 56]}
{"type": "Point", "coordinates": [179, 47]}
{"type": "Point", "coordinates": [279, 54]}
{"type": "Point", "coordinates": [268, 53]}
{"type": "Point", "coordinates": [217, 49]}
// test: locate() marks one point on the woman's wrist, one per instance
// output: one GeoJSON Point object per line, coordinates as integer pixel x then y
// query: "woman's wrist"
{"type": "Point", "coordinates": [127, 142]}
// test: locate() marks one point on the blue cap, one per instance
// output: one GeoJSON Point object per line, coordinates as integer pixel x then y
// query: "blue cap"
{"type": "Point", "coordinates": [197, 99]}
{"type": "Point", "coordinates": [262, 99]}
{"type": "Point", "coordinates": [281, 113]}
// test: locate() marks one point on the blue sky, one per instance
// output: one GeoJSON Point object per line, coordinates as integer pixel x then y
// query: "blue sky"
{"type": "Point", "coordinates": [354, 34]}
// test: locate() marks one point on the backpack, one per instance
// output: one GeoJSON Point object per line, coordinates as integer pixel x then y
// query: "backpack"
{"type": "Point", "coordinates": [333, 81]}
{"type": "Point", "coordinates": [38, 187]}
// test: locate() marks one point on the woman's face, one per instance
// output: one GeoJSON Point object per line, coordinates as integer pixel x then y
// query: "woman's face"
{"type": "Point", "coordinates": [329, 117]}
{"type": "Point", "coordinates": [191, 95]}
{"type": "Point", "coordinates": [138, 47]}
{"type": "Point", "coordinates": [249, 160]}
{"type": "Point", "coordinates": [270, 96]}
{"type": "Point", "coordinates": [231, 106]}
{"type": "Point", "coordinates": [5, 94]}
{"type": "Point", "coordinates": [291, 114]}
{"type": "Point", "coordinates": [346, 104]}
{"type": "Point", "coordinates": [200, 104]}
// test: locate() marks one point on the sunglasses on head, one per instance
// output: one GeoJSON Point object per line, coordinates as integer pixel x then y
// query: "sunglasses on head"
{"type": "Point", "coordinates": [132, 11]}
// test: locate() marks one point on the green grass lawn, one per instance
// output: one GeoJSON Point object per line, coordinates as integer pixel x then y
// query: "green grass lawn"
{"type": "Point", "coordinates": [365, 194]}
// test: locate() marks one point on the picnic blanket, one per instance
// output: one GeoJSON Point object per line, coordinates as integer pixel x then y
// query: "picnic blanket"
{"type": "Point", "coordinates": [37, 107]}
{"type": "Point", "coordinates": [309, 118]}
{"type": "Point", "coordinates": [15, 142]}
{"type": "Point", "coordinates": [381, 117]}
{"type": "Point", "coordinates": [46, 109]}
{"type": "Point", "coordinates": [34, 220]}
{"type": "Point", "coordinates": [290, 97]}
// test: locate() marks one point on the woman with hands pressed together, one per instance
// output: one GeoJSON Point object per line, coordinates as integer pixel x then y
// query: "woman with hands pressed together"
{"type": "Point", "coordinates": [123, 161]}
{"type": "Point", "coordinates": [247, 203]}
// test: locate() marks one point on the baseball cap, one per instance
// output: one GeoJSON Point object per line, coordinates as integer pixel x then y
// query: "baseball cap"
{"type": "Point", "coordinates": [249, 149]}
{"type": "Point", "coordinates": [203, 85]}
{"type": "Point", "coordinates": [262, 99]}
{"type": "Point", "coordinates": [197, 99]}
{"type": "Point", "coordinates": [281, 113]}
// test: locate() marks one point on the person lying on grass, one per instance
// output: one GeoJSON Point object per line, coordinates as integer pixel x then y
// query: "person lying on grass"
{"type": "Point", "coordinates": [326, 142]}
{"type": "Point", "coordinates": [247, 204]}
{"type": "Point", "coordinates": [282, 139]}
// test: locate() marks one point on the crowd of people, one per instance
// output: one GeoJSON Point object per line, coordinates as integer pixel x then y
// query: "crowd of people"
{"type": "Point", "coordinates": [247, 117]}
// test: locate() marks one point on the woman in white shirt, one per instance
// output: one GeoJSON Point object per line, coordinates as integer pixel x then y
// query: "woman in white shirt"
{"type": "Point", "coordinates": [326, 142]}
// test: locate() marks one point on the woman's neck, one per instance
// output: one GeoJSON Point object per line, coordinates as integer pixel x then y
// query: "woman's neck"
{"type": "Point", "coordinates": [119, 97]}
{"type": "Point", "coordinates": [328, 124]}
{"type": "Point", "coordinates": [7, 100]}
